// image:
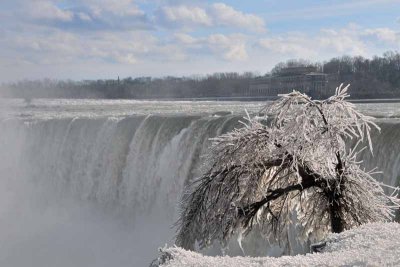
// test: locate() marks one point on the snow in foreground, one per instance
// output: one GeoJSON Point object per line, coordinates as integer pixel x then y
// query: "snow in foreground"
{"type": "Point", "coordinates": [376, 244]}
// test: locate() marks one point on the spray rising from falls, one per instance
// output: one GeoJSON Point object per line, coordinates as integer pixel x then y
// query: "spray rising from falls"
{"type": "Point", "coordinates": [133, 169]}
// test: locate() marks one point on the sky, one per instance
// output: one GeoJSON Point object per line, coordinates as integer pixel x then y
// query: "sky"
{"type": "Point", "coordinates": [101, 39]}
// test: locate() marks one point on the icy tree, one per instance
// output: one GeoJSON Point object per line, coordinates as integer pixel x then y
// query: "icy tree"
{"type": "Point", "coordinates": [299, 161]}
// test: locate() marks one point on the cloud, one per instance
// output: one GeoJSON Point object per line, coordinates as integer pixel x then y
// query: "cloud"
{"type": "Point", "coordinates": [48, 11]}
{"type": "Point", "coordinates": [230, 47]}
{"type": "Point", "coordinates": [184, 15]}
{"type": "Point", "coordinates": [330, 9]}
{"type": "Point", "coordinates": [53, 46]}
{"type": "Point", "coordinates": [294, 46]}
{"type": "Point", "coordinates": [98, 15]}
{"type": "Point", "coordinates": [47, 48]}
{"type": "Point", "coordinates": [171, 53]}
{"type": "Point", "coordinates": [384, 34]}
{"type": "Point", "coordinates": [344, 41]}
{"type": "Point", "coordinates": [326, 43]}
{"type": "Point", "coordinates": [227, 16]}
{"type": "Point", "coordinates": [126, 59]}
{"type": "Point", "coordinates": [83, 16]}
{"type": "Point", "coordinates": [121, 15]}
{"type": "Point", "coordinates": [56, 47]}
{"type": "Point", "coordinates": [217, 14]}
{"type": "Point", "coordinates": [185, 38]}
{"type": "Point", "coordinates": [119, 8]}
{"type": "Point", "coordinates": [162, 37]}
{"type": "Point", "coordinates": [236, 53]}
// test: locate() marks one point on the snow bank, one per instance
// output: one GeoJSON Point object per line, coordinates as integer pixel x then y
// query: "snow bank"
{"type": "Point", "coordinates": [376, 244]}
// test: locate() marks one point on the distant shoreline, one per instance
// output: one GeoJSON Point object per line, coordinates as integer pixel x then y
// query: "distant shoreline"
{"type": "Point", "coordinates": [269, 98]}
{"type": "Point", "coordinates": [376, 100]}
{"type": "Point", "coordinates": [232, 98]}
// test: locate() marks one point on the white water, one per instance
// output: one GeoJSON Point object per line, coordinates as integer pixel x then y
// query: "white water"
{"type": "Point", "coordinates": [97, 183]}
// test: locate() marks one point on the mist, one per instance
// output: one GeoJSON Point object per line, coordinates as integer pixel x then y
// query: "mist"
{"type": "Point", "coordinates": [40, 226]}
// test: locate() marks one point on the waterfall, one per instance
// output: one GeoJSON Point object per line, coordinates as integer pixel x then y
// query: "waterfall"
{"type": "Point", "coordinates": [133, 167]}
{"type": "Point", "coordinates": [386, 153]}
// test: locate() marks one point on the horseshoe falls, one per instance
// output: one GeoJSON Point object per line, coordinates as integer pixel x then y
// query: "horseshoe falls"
{"type": "Point", "coordinates": [98, 182]}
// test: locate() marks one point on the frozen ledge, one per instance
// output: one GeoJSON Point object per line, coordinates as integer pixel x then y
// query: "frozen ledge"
{"type": "Point", "coordinates": [376, 244]}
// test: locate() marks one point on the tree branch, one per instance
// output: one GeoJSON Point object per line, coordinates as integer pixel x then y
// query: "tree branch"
{"type": "Point", "coordinates": [309, 179]}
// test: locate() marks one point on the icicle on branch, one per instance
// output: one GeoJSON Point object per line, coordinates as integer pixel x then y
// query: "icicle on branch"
{"type": "Point", "coordinates": [261, 173]}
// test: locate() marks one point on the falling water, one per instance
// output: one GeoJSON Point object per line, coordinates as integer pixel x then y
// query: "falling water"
{"type": "Point", "coordinates": [104, 190]}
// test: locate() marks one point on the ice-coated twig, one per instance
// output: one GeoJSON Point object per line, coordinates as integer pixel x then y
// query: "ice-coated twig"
{"type": "Point", "coordinates": [259, 174]}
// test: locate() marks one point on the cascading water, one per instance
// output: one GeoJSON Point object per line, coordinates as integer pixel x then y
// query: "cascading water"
{"type": "Point", "coordinates": [105, 190]}
{"type": "Point", "coordinates": [386, 153]}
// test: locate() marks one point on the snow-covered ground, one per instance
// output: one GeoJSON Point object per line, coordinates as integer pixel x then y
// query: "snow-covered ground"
{"type": "Point", "coordinates": [376, 244]}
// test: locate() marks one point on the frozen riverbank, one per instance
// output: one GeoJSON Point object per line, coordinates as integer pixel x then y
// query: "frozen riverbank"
{"type": "Point", "coordinates": [375, 244]}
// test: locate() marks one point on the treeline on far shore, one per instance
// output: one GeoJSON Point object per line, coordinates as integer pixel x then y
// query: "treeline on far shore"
{"type": "Point", "coordinates": [378, 77]}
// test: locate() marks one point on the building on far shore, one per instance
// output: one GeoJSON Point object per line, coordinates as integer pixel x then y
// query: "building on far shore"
{"type": "Point", "coordinates": [304, 79]}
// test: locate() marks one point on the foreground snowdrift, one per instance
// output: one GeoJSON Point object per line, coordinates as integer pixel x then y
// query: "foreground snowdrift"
{"type": "Point", "coordinates": [375, 244]}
